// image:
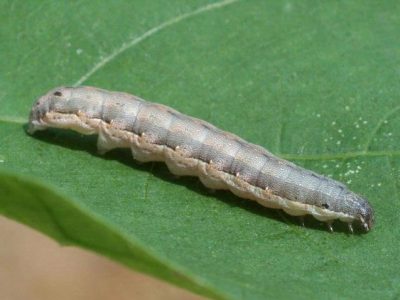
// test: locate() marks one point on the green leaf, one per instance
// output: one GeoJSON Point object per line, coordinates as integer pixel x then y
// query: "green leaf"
{"type": "Point", "coordinates": [314, 81]}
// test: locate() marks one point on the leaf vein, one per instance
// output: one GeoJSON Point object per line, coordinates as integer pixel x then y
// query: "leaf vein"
{"type": "Point", "coordinates": [395, 183]}
{"type": "Point", "coordinates": [127, 45]}
{"type": "Point", "coordinates": [289, 156]}
{"type": "Point", "coordinates": [11, 119]}
{"type": "Point", "coordinates": [379, 126]}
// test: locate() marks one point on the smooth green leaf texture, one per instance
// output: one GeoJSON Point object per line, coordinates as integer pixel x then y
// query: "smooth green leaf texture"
{"type": "Point", "coordinates": [314, 81]}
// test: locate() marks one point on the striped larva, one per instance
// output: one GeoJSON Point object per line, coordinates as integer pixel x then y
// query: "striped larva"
{"type": "Point", "coordinates": [194, 147]}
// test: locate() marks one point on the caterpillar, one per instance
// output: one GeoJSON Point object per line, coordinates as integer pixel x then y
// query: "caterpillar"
{"type": "Point", "coordinates": [192, 147]}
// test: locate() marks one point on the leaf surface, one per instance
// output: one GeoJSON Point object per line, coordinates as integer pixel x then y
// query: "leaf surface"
{"type": "Point", "coordinates": [314, 82]}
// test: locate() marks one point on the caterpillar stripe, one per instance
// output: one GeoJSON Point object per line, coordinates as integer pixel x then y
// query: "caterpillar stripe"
{"type": "Point", "coordinates": [193, 147]}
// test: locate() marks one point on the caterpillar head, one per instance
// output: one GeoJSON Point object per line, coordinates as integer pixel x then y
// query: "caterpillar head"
{"type": "Point", "coordinates": [361, 209]}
